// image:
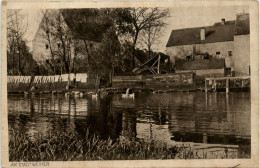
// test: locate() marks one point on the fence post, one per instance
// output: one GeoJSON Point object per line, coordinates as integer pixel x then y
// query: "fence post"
{"type": "Point", "coordinates": [215, 85]}
{"type": "Point", "coordinates": [206, 85]}
{"type": "Point", "coordinates": [227, 85]}
{"type": "Point", "coordinates": [158, 67]}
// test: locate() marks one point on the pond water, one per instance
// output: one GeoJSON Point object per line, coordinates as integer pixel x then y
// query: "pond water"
{"type": "Point", "coordinates": [195, 117]}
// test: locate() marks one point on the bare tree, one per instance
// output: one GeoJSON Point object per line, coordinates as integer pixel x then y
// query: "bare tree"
{"type": "Point", "coordinates": [15, 32]}
{"type": "Point", "coordinates": [109, 54]}
{"type": "Point", "coordinates": [135, 20]}
{"type": "Point", "coordinates": [149, 37]}
{"type": "Point", "coordinates": [60, 40]}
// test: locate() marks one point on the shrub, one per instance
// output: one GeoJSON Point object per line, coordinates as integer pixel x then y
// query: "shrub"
{"type": "Point", "coordinates": [68, 146]}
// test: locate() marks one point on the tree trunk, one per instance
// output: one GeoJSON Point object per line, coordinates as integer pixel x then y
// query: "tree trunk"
{"type": "Point", "coordinates": [86, 47]}
{"type": "Point", "coordinates": [66, 64]}
{"type": "Point", "coordinates": [52, 55]}
{"type": "Point", "coordinates": [13, 60]}
{"type": "Point", "coordinates": [149, 42]}
{"type": "Point", "coordinates": [111, 76]}
{"type": "Point", "coordinates": [133, 52]}
{"type": "Point", "coordinates": [149, 52]}
{"type": "Point", "coordinates": [19, 63]}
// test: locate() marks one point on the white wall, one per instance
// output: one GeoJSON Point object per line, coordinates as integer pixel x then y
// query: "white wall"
{"type": "Point", "coordinates": [241, 56]}
{"type": "Point", "coordinates": [182, 51]}
{"type": "Point", "coordinates": [40, 53]}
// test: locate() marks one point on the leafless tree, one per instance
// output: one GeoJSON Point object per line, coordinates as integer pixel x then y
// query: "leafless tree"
{"type": "Point", "coordinates": [138, 19]}
{"type": "Point", "coordinates": [150, 37]}
{"type": "Point", "coordinates": [60, 40]}
{"type": "Point", "coordinates": [15, 32]}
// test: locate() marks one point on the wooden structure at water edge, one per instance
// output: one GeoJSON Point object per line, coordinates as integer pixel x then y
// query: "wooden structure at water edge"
{"type": "Point", "coordinates": [227, 84]}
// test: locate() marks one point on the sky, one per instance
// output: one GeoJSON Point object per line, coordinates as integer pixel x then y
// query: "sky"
{"type": "Point", "coordinates": [181, 17]}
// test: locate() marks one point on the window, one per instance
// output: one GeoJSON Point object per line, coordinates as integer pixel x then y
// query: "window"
{"type": "Point", "coordinates": [47, 46]}
{"type": "Point", "coordinates": [217, 53]}
{"type": "Point", "coordinates": [58, 45]}
{"type": "Point", "coordinates": [230, 53]}
{"type": "Point", "coordinates": [91, 45]}
{"type": "Point", "coordinates": [228, 72]}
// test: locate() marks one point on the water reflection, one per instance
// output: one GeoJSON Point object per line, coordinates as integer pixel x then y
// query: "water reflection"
{"type": "Point", "coordinates": [208, 118]}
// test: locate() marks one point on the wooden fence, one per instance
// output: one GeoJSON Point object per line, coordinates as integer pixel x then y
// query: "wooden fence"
{"type": "Point", "coordinates": [227, 83]}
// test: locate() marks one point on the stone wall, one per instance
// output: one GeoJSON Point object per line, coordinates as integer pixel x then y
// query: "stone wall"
{"type": "Point", "coordinates": [153, 81]}
{"type": "Point", "coordinates": [205, 73]}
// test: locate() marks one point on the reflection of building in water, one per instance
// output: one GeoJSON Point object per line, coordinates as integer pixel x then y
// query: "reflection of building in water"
{"type": "Point", "coordinates": [22, 117]}
{"type": "Point", "coordinates": [154, 125]}
{"type": "Point", "coordinates": [213, 118]}
{"type": "Point", "coordinates": [218, 120]}
{"type": "Point", "coordinates": [150, 131]}
{"type": "Point", "coordinates": [129, 125]}
{"type": "Point", "coordinates": [149, 121]}
{"type": "Point", "coordinates": [101, 120]}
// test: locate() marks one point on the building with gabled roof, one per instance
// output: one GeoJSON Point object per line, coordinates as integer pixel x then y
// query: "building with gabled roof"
{"type": "Point", "coordinates": [228, 40]}
{"type": "Point", "coordinates": [45, 51]}
{"type": "Point", "coordinates": [213, 34]}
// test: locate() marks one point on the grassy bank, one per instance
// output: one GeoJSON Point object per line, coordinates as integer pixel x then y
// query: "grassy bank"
{"type": "Point", "coordinates": [70, 146]}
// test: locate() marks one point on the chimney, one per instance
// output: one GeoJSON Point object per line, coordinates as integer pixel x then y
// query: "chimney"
{"type": "Point", "coordinates": [223, 21]}
{"type": "Point", "coordinates": [202, 33]}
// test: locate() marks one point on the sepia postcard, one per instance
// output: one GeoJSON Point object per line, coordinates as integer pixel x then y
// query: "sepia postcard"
{"type": "Point", "coordinates": [130, 84]}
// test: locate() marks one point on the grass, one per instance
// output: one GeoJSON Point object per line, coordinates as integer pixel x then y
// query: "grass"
{"type": "Point", "coordinates": [69, 146]}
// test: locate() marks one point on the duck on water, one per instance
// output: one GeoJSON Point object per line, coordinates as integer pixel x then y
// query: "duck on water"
{"type": "Point", "coordinates": [128, 93]}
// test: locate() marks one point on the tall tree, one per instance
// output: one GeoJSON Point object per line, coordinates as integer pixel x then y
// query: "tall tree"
{"type": "Point", "coordinates": [60, 40]}
{"type": "Point", "coordinates": [15, 45]}
{"type": "Point", "coordinates": [88, 25]}
{"type": "Point", "coordinates": [150, 36]}
{"type": "Point", "coordinates": [109, 55]}
{"type": "Point", "coordinates": [135, 20]}
{"type": "Point", "coordinates": [19, 58]}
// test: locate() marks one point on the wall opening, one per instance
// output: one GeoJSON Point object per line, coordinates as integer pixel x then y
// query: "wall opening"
{"type": "Point", "coordinates": [230, 53]}
{"type": "Point", "coordinates": [228, 72]}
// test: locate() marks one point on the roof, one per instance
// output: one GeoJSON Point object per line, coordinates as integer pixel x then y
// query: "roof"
{"type": "Point", "coordinates": [83, 30]}
{"type": "Point", "coordinates": [242, 24]}
{"type": "Point", "coordinates": [200, 64]}
{"type": "Point", "coordinates": [215, 33]}
{"type": "Point", "coordinates": [94, 26]}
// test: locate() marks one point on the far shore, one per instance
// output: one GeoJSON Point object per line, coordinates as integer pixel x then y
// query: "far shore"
{"type": "Point", "coordinates": [112, 90]}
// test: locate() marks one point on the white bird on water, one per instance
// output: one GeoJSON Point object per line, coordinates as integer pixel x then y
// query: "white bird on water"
{"type": "Point", "coordinates": [128, 94]}
{"type": "Point", "coordinates": [78, 93]}
{"type": "Point", "coordinates": [94, 96]}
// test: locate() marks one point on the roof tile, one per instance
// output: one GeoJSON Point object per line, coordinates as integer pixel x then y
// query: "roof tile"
{"type": "Point", "coordinates": [215, 33]}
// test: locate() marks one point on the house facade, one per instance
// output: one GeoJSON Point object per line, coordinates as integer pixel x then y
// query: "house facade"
{"type": "Point", "coordinates": [44, 41]}
{"type": "Point", "coordinates": [54, 42]}
{"type": "Point", "coordinates": [228, 40]}
{"type": "Point", "coordinates": [241, 59]}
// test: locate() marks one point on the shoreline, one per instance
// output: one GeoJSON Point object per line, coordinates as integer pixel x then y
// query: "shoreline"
{"type": "Point", "coordinates": [111, 90]}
